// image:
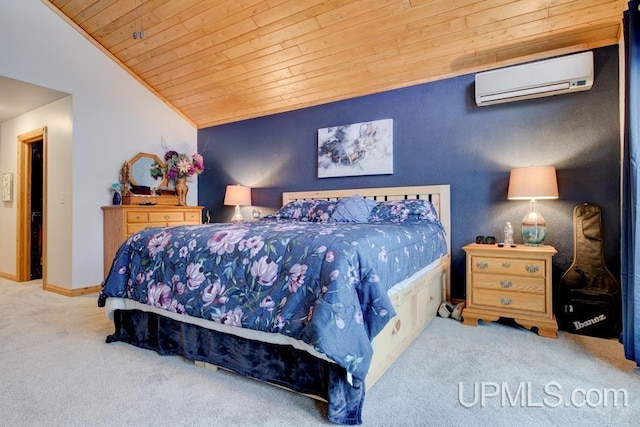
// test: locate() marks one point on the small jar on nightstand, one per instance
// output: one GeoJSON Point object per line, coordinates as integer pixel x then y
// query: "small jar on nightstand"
{"type": "Point", "coordinates": [511, 282]}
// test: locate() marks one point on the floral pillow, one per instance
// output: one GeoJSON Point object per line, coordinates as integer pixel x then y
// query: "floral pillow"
{"type": "Point", "coordinates": [353, 209]}
{"type": "Point", "coordinates": [306, 210]}
{"type": "Point", "coordinates": [404, 211]}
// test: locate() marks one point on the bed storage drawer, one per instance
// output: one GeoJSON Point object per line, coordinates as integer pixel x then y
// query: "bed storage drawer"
{"type": "Point", "coordinates": [415, 306]}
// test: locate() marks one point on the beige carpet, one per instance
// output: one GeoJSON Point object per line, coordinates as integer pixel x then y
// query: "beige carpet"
{"type": "Point", "coordinates": [56, 370]}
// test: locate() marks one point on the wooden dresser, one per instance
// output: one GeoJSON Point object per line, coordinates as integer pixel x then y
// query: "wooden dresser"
{"type": "Point", "coordinates": [512, 283]}
{"type": "Point", "coordinates": [122, 221]}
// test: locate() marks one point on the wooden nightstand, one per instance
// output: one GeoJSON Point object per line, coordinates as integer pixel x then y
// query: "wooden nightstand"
{"type": "Point", "coordinates": [513, 283]}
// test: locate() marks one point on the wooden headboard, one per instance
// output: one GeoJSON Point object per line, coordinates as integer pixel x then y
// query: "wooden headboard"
{"type": "Point", "coordinates": [439, 195]}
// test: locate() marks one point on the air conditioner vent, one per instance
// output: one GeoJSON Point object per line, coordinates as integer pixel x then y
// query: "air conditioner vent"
{"type": "Point", "coordinates": [554, 76]}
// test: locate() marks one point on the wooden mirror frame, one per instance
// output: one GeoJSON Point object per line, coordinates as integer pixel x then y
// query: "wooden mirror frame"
{"type": "Point", "coordinates": [163, 182]}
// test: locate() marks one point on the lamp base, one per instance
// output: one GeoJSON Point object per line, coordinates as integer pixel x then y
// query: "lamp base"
{"type": "Point", "coordinates": [237, 216]}
{"type": "Point", "coordinates": [534, 234]}
{"type": "Point", "coordinates": [534, 227]}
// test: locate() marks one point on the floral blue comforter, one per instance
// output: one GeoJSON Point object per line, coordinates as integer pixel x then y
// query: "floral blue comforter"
{"type": "Point", "coordinates": [323, 283]}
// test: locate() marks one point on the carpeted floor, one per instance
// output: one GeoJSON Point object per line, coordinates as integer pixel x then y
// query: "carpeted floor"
{"type": "Point", "coordinates": [57, 370]}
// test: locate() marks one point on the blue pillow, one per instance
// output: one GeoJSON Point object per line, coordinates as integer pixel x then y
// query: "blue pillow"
{"type": "Point", "coordinates": [404, 211]}
{"type": "Point", "coordinates": [353, 209]}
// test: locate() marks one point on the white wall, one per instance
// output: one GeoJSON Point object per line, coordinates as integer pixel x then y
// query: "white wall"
{"type": "Point", "coordinates": [57, 119]}
{"type": "Point", "coordinates": [113, 117]}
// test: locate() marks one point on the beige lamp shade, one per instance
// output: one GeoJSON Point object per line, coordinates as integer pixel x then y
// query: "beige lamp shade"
{"type": "Point", "coordinates": [533, 183]}
{"type": "Point", "coordinates": [237, 195]}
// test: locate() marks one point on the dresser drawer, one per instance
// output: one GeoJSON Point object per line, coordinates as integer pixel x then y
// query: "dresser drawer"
{"type": "Point", "coordinates": [137, 217]}
{"type": "Point", "coordinates": [132, 228]}
{"type": "Point", "coordinates": [508, 283]}
{"type": "Point", "coordinates": [164, 217]}
{"type": "Point", "coordinates": [192, 217]}
{"type": "Point", "coordinates": [509, 300]}
{"type": "Point", "coordinates": [532, 268]}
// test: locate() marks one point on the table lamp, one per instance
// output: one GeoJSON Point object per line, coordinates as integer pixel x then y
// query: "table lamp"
{"type": "Point", "coordinates": [237, 195]}
{"type": "Point", "coordinates": [533, 183]}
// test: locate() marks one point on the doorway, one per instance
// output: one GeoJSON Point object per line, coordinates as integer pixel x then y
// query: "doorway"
{"type": "Point", "coordinates": [35, 253]}
{"type": "Point", "coordinates": [31, 250]}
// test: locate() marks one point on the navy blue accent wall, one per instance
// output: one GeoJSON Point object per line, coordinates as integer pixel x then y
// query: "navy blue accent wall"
{"type": "Point", "coordinates": [442, 137]}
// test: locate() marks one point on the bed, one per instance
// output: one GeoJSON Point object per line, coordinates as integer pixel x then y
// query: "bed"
{"type": "Point", "coordinates": [315, 299]}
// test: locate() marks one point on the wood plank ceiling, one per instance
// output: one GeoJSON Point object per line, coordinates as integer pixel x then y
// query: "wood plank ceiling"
{"type": "Point", "coordinates": [218, 61]}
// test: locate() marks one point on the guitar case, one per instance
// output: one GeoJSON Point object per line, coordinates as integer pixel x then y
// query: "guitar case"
{"type": "Point", "coordinates": [589, 296]}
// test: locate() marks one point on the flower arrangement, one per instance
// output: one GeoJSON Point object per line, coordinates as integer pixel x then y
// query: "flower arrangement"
{"type": "Point", "coordinates": [116, 187]}
{"type": "Point", "coordinates": [179, 165]}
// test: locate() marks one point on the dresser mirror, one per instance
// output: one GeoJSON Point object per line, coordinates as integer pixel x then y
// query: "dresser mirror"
{"type": "Point", "coordinates": [140, 186]}
{"type": "Point", "coordinates": [140, 178]}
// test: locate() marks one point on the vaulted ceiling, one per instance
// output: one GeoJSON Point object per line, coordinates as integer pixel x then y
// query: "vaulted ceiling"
{"type": "Point", "coordinates": [219, 61]}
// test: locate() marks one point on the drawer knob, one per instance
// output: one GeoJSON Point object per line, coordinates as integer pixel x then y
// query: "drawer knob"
{"type": "Point", "coordinates": [482, 265]}
{"type": "Point", "coordinates": [506, 264]}
{"type": "Point", "coordinates": [506, 284]}
{"type": "Point", "coordinates": [532, 268]}
{"type": "Point", "coordinates": [167, 217]}
{"type": "Point", "coordinates": [505, 301]}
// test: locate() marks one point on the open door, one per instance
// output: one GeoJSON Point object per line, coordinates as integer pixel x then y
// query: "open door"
{"type": "Point", "coordinates": [31, 233]}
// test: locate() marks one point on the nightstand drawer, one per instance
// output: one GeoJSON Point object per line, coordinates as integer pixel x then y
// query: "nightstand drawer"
{"type": "Point", "coordinates": [166, 216]}
{"type": "Point", "coordinates": [506, 283]}
{"type": "Point", "coordinates": [482, 264]}
{"type": "Point", "coordinates": [509, 300]}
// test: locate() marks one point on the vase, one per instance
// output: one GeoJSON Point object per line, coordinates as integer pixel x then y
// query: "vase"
{"type": "Point", "coordinates": [181, 191]}
{"type": "Point", "coordinates": [117, 199]}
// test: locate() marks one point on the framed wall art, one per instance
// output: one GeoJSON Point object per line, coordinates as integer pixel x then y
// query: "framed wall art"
{"type": "Point", "coordinates": [356, 149]}
{"type": "Point", "coordinates": [7, 187]}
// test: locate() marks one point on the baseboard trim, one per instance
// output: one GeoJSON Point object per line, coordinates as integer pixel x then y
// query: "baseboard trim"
{"type": "Point", "coordinates": [71, 292]}
{"type": "Point", "coordinates": [11, 277]}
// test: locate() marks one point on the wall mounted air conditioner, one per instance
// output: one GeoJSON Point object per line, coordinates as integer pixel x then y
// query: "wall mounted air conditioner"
{"type": "Point", "coordinates": [536, 79]}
